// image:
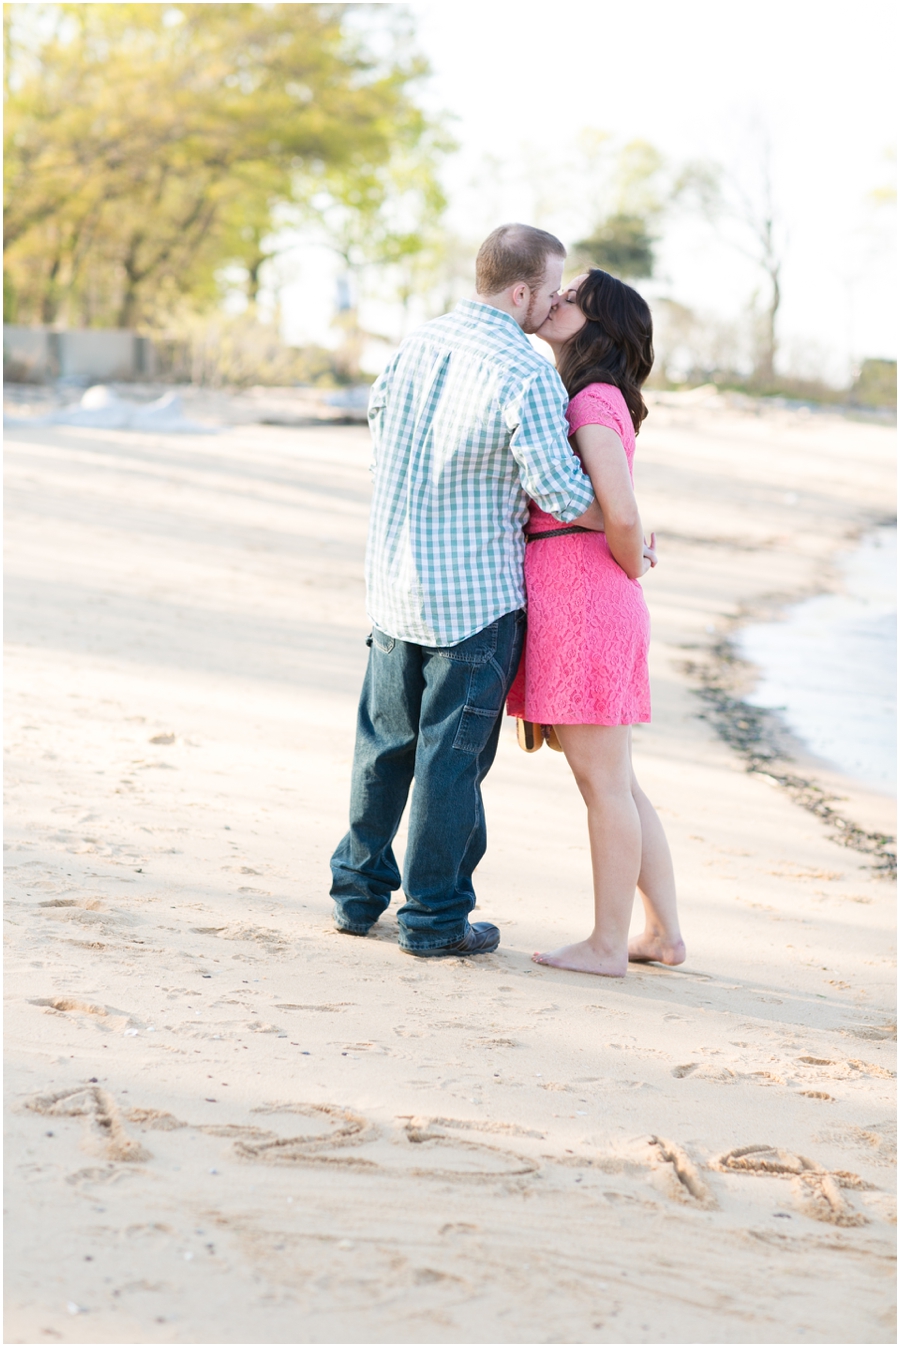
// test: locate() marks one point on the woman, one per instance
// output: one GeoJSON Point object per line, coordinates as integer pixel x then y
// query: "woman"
{"type": "Point", "coordinates": [584, 669]}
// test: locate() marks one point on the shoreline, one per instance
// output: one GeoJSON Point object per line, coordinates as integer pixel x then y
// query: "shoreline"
{"type": "Point", "coordinates": [768, 746]}
{"type": "Point", "coordinates": [760, 738]}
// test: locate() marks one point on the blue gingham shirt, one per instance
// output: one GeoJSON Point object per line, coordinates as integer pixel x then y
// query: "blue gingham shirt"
{"type": "Point", "coordinates": [468, 421]}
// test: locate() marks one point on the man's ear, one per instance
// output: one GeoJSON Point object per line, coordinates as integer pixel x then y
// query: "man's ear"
{"type": "Point", "coordinates": [519, 294]}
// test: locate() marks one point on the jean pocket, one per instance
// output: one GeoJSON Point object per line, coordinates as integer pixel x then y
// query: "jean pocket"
{"type": "Point", "coordinates": [475, 727]}
{"type": "Point", "coordinates": [384, 642]}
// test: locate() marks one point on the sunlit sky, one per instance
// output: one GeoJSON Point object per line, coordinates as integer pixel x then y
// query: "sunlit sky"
{"type": "Point", "coordinates": [699, 80]}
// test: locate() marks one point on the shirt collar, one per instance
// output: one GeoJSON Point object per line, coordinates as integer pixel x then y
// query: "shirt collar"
{"type": "Point", "coordinates": [473, 311]}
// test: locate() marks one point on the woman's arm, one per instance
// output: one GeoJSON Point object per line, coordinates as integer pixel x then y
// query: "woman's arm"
{"type": "Point", "coordinates": [603, 456]}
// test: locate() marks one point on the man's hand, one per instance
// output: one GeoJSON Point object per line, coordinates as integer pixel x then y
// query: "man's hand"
{"type": "Point", "coordinates": [592, 518]}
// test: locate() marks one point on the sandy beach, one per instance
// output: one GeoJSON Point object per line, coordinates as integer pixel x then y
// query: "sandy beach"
{"type": "Point", "coordinates": [453, 1151]}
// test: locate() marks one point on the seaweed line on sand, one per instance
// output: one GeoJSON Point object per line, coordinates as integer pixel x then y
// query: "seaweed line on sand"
{"type": "Point", "coordinates": [755, 734]}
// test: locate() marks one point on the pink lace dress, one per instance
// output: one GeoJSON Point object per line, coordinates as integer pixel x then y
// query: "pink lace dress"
{"type": "Point", "coordinates": [585, 655]}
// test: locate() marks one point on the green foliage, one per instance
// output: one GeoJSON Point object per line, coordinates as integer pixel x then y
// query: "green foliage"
{"type": "Point", "coordinates": [149, 146]}
{"type": "Point", "coordinates": [640, 188]}
{"type": "Point", "coordinates": [382, 217]}
{"type": "Point", "coordinates": [876, 384]}
{"type": "Point", "coordinates": [637, 192]}
{"type": "Point", "coordinates": [621, 245]}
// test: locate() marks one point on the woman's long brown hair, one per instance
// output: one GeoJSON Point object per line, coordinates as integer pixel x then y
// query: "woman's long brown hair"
{"type": "Point", "coordinates": [615, 346]}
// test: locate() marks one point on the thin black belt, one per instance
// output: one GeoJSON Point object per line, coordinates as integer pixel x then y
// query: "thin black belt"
{"type": "Point", "coordinates": [557, 533]}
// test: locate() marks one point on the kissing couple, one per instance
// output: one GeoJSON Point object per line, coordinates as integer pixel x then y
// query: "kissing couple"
{"type": "Point", "coordinates": [503, 491]}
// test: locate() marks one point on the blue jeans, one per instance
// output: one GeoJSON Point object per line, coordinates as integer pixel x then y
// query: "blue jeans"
{"type": "Point", "coordinates": [433, 714]}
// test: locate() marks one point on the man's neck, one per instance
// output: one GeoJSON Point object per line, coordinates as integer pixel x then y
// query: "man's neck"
{"type": "Point", "coordinates": [502, 303]}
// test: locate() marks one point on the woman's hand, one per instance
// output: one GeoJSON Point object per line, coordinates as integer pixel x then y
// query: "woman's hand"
{"type": "Point", "coordinates": [650, 557]}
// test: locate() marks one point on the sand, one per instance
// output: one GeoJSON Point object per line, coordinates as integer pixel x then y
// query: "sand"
{"type": "Point", "coordinates": [454, 1151]}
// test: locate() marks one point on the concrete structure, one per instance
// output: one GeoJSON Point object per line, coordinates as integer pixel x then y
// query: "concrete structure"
{"type": "Point", "coordinates": [41, 355]}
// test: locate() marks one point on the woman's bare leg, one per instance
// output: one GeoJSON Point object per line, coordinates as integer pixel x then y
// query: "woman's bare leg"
{"type": "Point", "coordinates": [660, 939]}
{"type": "Point", "coordinates": [600, 758]}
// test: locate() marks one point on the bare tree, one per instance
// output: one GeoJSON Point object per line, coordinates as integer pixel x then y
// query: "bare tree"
{"type": "Point", "coordinates": [760, 220]}
{"type": "Point", "coordinates": [726, 197]}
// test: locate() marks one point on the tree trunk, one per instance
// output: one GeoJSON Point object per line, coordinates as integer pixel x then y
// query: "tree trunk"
{"type": "Point", "coordinates": [128, 307]}
{"type": "Point", "coordinates": [133, 278]}
{"type": "Point", "coordinates": [253, 270]}
{"type": "Point", "coordinates": [10, 298]}
{"type": "Point", "coordinates": [50, 297]}
{"type": "Point", "coordinates": [768, 344]}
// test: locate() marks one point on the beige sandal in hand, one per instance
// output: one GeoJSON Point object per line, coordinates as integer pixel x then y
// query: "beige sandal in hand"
{"type": "Point", "coordinates": [531, 736]}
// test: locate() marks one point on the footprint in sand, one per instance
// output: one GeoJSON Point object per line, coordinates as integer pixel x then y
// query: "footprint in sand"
{"type": "Point", "coordinates": [850, 1069]}
{"type": "Point", "coordinates": [107, 1018]}
{"type": "Point", "coordinates": [87, 904]}
{"type": "Point", "coordinates": [373, 1049]}
{"type": "Point", "coordinates": [723, 1075]}
{"type": "Point", "coordinates": [89, 911]}
{"type": "Point", "coordinates": [276, 940]}
{"type": "Point", "coordinates": [875, 1032]}
{"type": "Point", "coordinates": [331, 1007]}
{"type": "Point", "coordinates": [109, 1174]}
{"type": "Point", "coordinates": [847, 1070]}
{"type": "Point", "coordinates": [61, 910]}
{"type": "Point", "coordinates": [877, 1141]}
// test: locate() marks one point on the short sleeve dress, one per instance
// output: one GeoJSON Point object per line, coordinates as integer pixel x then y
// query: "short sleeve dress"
{"type": "Point", "coordinates": [585, 655]}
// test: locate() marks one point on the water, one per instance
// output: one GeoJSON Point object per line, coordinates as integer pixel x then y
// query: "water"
{"type": "Point", "coordinates": [830, 667]}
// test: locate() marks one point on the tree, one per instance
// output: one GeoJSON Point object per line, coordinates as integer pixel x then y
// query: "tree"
{"type": "Point", "coordinates": [759, 220]}
{"type": "Point", "coordinates": [624, 239]}
{"type": "Point", "coordinates": [620, 244]}
{"type": "Point", "coordinates": [149, 146]}
{"type": "Point", "coordinates": [744, 213]}
{"type": "Point", "coordinates": [378, 218]}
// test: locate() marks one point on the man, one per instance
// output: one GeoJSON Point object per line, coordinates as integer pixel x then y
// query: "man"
{"type": "Point", "coordinates": [468, 421]}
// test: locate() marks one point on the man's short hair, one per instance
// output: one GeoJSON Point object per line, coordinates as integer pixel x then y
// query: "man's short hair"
{"type": "Point", "coordinates": [512, 254]}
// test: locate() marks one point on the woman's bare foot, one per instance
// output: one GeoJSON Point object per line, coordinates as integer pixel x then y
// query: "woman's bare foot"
{"type": "Point", "coordinates": [656, 948]}
{"type": "Point", "coordinates": [583, 958]}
